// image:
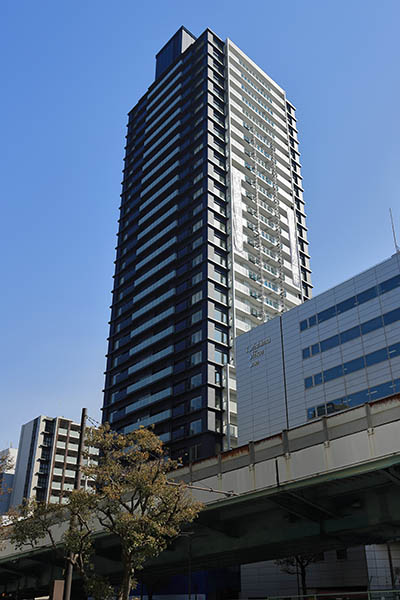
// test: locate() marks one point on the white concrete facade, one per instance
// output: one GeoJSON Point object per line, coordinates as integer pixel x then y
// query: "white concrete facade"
{"type": "Point", "coordinates": [335, 351]}
{"type": "Point", "coordinates": [268, 247]}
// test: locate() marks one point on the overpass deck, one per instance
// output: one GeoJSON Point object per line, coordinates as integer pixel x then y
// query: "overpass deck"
{"type": "Point", "coordinates": [328, 484]}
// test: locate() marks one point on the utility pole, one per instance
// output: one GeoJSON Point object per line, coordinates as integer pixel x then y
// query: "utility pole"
{"type": "Point", "coordinates": [78, 477]}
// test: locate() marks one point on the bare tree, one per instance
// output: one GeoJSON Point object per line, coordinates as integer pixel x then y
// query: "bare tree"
{"type": "Point", "coordinates": [297, 565]}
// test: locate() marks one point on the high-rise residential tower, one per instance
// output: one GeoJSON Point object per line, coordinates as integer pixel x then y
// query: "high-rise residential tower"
{"type": "Point", "coordinates": [212, 240]}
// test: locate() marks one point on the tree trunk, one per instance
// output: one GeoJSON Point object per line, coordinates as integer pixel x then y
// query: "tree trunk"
{"type": "Point", "coordinates": [126, 583]}
{"type": "Point", "coordinates": [125, 588]}
{"type": "Point", "coordinates": [303, 579]}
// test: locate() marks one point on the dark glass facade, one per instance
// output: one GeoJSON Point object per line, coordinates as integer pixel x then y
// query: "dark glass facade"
{"type": "Point", "coordinates": [170, 287]}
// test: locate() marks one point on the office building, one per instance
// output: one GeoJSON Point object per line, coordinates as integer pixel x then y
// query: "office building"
{"type": "Point", "coordinates": [212, 241]}
{"type": "Point", "coordinates": [9, 455]}
{"type": "Point", "coordinates": [47, 460]}
{"type": "Point", "coordinates": [338, 350]}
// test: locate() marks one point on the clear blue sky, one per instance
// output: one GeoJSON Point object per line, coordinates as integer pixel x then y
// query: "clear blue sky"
{"type": "Point", "coordinates": [71, 70]}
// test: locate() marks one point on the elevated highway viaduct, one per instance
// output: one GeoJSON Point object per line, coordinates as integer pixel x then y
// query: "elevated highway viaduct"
{"type": "Point", "coordinates": [331, 483]}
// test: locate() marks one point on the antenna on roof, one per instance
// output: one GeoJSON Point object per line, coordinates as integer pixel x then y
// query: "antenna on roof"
{"type": "Point", "coordinates": [397, 248]}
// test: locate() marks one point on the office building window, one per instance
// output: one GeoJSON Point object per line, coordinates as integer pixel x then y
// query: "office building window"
{"type": "Point", "coordinates": [196, 403]}
{"type": "Point", "coordinates": [196, 380]}
{"type": "Point", "coordinates": [195, 427]}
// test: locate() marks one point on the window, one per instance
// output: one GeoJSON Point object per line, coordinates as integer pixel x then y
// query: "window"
{"type": "Point", "coordinates": [196, 337]}
{"type": "Point", "coordinates": [47, 440]}
{"type": "Point", "coordinates": [314, 349]}
{"type": "Point", "coordinates": [380, 391]}
{"type": "Point", "coordinates": [218, 398]}
{"type": "Point", "coordinates": [371, 325]}
{"type": "Point", "coordinates": [221, 242]}
{"type": "Point", "coordinates": [346, 305]}
{"type": "Point", "coordinates": [197, 316]}
{"type": "Point", "coordinates": [194, 452]}
{"type": "Point", "coordinates": [197, 278]}
{"type": "Point", "coordinates": [220, 315]}
{"type": "Point", "coordinates": [180, 366]}
{"type": "Point", "coordinates": [195, 427]}
{"type": "Point", "coordinates": [196, 380]}
{"type": "Point", "coordinates": [178, 410]}
{"type": "Point", "coordinates": [311, 414]}
{"type": "Point", "coordinates": [220, 335]}
{"type": "Point", "coordinates": [219, 258]}
{"type": "Point", "coordinates": [197, 243]}
{"type": "Point", "coordinates": [181, 345]}
{"type": "Point", "coordinates": [197, 297]}
{"type": "Point", "coordinates": [180, 325]}
{"type": "Point", "coordinates": [197, 225]}
{"type": "Point", "coordinates": [198, 193]}
{"type": "Point", "coordinates": [390, 284]}
{"type": "Point", "coordinates": [220, 225]}
{"type": "Point", "coordinates": [329, 343]}
{"type": "Point", "coordinates": [178, 432]}
{"type": "Point", "coordinates": [181, 306]}
{"type": "Point", "coordinates": [367, 295]}
{"type": "Point", "coordinates": [218, 376]}
{"type": "Point", "coordinates": [198, 177]}
{"type": "Point", "coordinates": [220, 296]}
{"type": "Point", "coordinates": [196, 358]}
{"type": "Point", "coordinates": [333, 373]}
{"type": "Point", "coordinates": [308, 382]}
{"type": "Point", "coordinates": [181, 287]}
{"type": "Point", "coordinates": [349, 303]}
{"type": "Point", "coordinates": [180, 387]}
{"type": "Point", "coordinates": [219, 207]}
{"type": "Point", "coordinates": [376, 357]}
{"type": "Point", "coordinates": [392, 316]}
{"type": "Point", "coordinates": [394, 350]}
{"type": "Point", "coordinates": [350, 334]}
{"type": "Point", "coordinates": [197, 260]}
{"type": "Point", "coordinates": [220, 356]}
{"type": "Point", "coordinates": [306, 353]}
{"type": "Point", "coordinates": [357, 398]}
{"type": "Point", "coordinates": [312, 321]}
{"type": "Point", "coordinates": [353, 365]}
{"type": "Point", "coordinates": [196, 403]}
{"type": "Point", "coordinates": [326, 314]}
{"type": "Point", "coordinates": [220, 276]}
{"type": "Point", "coordinates": [318, 379]}
{"type": "Point", "coordinates": [197, 209]}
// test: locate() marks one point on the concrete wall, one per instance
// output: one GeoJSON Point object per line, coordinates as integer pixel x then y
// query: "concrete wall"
{"type": "Point", "coordinates": [260, 381]}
